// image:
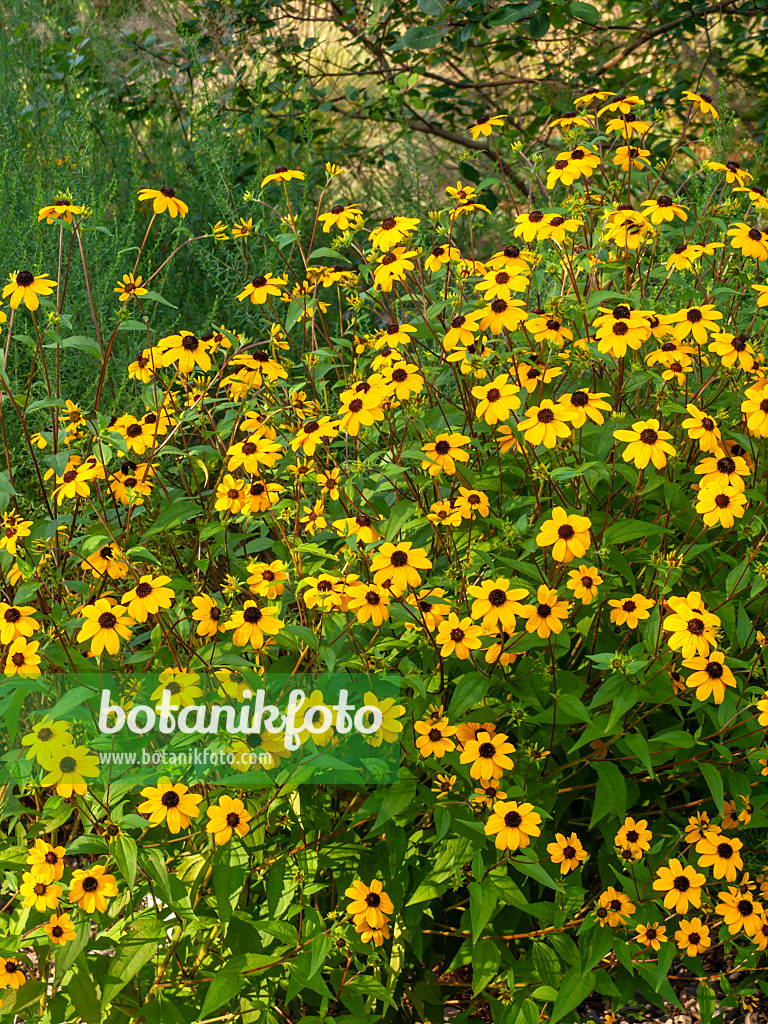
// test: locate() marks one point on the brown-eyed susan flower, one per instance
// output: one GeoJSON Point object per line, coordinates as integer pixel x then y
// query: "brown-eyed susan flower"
{"type": "Point", "coordinates": [207, 615]}
{"type": "Point", "coordinates": [434, 737]}
{"type": "Point", "coordinates": [164, 200]}
{"type": "Point", "coordinates": [440, 256]}
{"type": "Point", "coordinates": [566, 851]}
{"type": "Point", "coordinates": [613, 907]}
{"type": "Point", "coordinates": [267, 579]}
{"type": "Point", "coordinates": [11, 973]}
{"type": "Point", "coordinates": [545, 617]}
{"type": "Point", "coordinates": [545, 424]}
{"type": "Point", "coordinates": [720, 506]}
{"type": "Point", "coordinates": [488, 793]}
{"type": "Point", "coordinates": [252, 625]}
{"type": "Point", "coordinates": [755, 409]}
{"type": "Point", "coordinates": [503, 314]}
{"type": "Point", "coordinates": [488, 756]}
{"type": "Point", "coordinates": [485, 124]}
{"type": "Point", "coordinates": [185, 350]}
{"type": "Point", "coordinates": [664, 209]}
{"type": "Point", "coordinates": [466, 731]}
{"type": "Point", "coordinates": [692, 631]}
{"type": "Point", "coordinates": [681, 884]}
{"type": "Point", "coordinates": [129, 287]}
{"type": "Point", "coordinates": [584, 582]}
{"type": "Point", "coordinates": [651, 935]}
{"type": "Point", "coordinates": [61, 209]}
{"type": "Point", "coordinates": [634, 836]}
{"type": "Point", "coordinates": [470, 503]}
{"type": "Point", "coordinates": [39, 894]}
{"type": "Point", "coordinates": [227, 818]}
{"type": "Point", "coordinates": [45, 738]}
{"type": "Point", "coordinates": [698, 321]}
{"type": "Point", "coordinates": [723, 470]}
{"type": "Point", "coordinates": [734, 349]}
{"type": "Point", "coordinates": [393, 267]}
{"type": "Point", "coordinates": [370, 603]}
{"type": "Point", "coordinates": [499, 284]}
{"type": "Point", "coordinates": [391, 231]}
{"type": "Point", "coordinates": [46, 862]}
{"type": "Point", "coordinates": [696, 827]}
{"type": "Point", "coordinates": [702, 101]}
{"type": "Point", "coordinates": [646, 442]}
{"type": "Point", "coordinates": [148, 596]}
{"type": "Point", "coordinates": [431, 610]}
{"type": "Point", "coordinates": [579, 406]}
{"type": "Point", "coordinates": [751, 241]}
{"type": "Point", "coordinates": [702, 428]}
{"type": "Point", "coordinates": [710, 677]}
{"type": "Point", "coordinates": [568, 535]}
{"type": "Point", "coordinates": [631, 156]}
{"type": "Point", "coordinates": [67, 768]}
{"type": "Point", "coordinates": [107, 561]}
{"type": "Point", "coordinates": [721, 853]}
{"type": "Point", "coordinates": [402, 380]}
{"type": "Point", "coordinates": [60, 929]}
{"type": "Point", "coordinates": [530, 225]}
{"type": "Point", "coordinates": [230, 495]}
{"type": "Point", "coordinates": [13, 529]}
{"type": "Point", "coordinates": [692, 937]}
{"type": "Point", "coordinates": [458, 636]}
{"type": "Point", "coordinates": [170, 802]}
{"type": "Point", "coordinates": [496, 602]}
{"type": "Point", "coordinates": [740, 910]}
{"type": "Point", "coordinates": [260, 287]}
{"type": "Point", "coordinates": [22, 659]}
{"type": "Point", "coordinates": [282, 174]}
{"type": "Point", "coordinates": [628, 611]}
{"type": "Point", "coordinates": [399, 566]}
{"type": "Point", "coordinates": [91, 887]}
{"type": "Point", "coordinates": [24, 286]}
{"type": "Point", "coordinates": [314, 432]}
{"type": "Point", "coordinates": [513, 825]}
{"type": "Point", "coordinates": [105, 626]}
{"type": "Point", "coordinates": [443, 785]}
{"type": "Point", "coordinates": [443, 453]}
{"type": "Point", "coordinates": [496, 400]}
{"type": "Point", "coordinates": [369, 904]}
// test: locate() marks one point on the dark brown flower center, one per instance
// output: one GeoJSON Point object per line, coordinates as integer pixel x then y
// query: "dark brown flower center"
{"type": "Point", "coordinates": [252, 615]}
{"type": "Point", "coordinates": [107, 620]}
{"type": "Point", "coordinates": [170, 799]}
{"type": "Point", "coordinates": [513, 819]}
{"type": "Point", "coordinates": [145, 589]}
{"type": "Point", "coordinates": [24, 279]}
{"type": "Point", "coordinates": [649, 436]}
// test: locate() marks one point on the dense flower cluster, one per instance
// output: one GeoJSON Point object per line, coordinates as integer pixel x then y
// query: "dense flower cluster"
{"type": "Point", "coordinates": [518, 459]}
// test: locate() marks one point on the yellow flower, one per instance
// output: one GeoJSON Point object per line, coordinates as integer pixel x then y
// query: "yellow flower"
{"type": "Point", "coordinates": [646, 443]}
{"type": "Point", "coordinates": [60, 929]}
{"type": "Point", "coordinates": [513, 825]}
{"type": "Point", "coordinates": [283, 174]}
{"type": "Point", "coordinates": [227, 818]}
{"type": "Point", "coordinates": [164, 200]}
{"type": "Point", "coordinates": [170, 802]}
{"type": "Point", "coordinates": [682, 886]}
{"type": "Point", "coordinates": [24, 286]}
{"type": "Point", "coordinates": [129, 287]}
{"type": "Point", "coordinates": [90, 888]}
{"type": "Point", "coordinates": [569, 535]}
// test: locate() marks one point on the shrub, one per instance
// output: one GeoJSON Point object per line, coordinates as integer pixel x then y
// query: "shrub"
{"type": "Point", "coordinates": [523, 477]}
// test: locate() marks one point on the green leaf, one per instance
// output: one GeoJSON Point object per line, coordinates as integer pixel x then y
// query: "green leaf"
{"type": "Point", "coordinates": [398, 517]}
{"type": "Point", "coordinates": [419, 37]}
{"type": "Point", "coordinates": [611, 792]}
{"type": "Point", "coordinates": [486, 961]}
{"type": "Point", "coordinates": [470, 689]}
{"type": "Point", "coordinates": [631, 529]}
{"type": "Point", "coordinates": [225, 986]}
{"type": "Point", "coordinates": [153, 862]}
{"type": "Point", "coordinates": [157, 297]}
{"type": "Point", "coordinates": [324, 251]}
{"type": "Point", "coordinates": [89, 345]}
{"type": "Point", "coordinates": [714, 781]}
{"type": "Point", "coordinates": [538, 25]}
{"type": "Point", "coordinates": [125, 853]}
{"type": "Point", "coordinates": [137, 947]}
{"type": "Point", "coordinates": [230, 866]}
{"type": "Point", "coordinates": [172, 515]}
{"type": "Point", "coordinates": [584, 12]}
{"type": "Point", "coordinates": [665, 958]}
{"type": "Point", "coordinates": [511, 13]}
{"type": "Point", "coordinates": [483, 902]}
{"type": "Point", "coordinates": [575, 988]}
{"type": "Point", "coordinates": [705, 996]}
